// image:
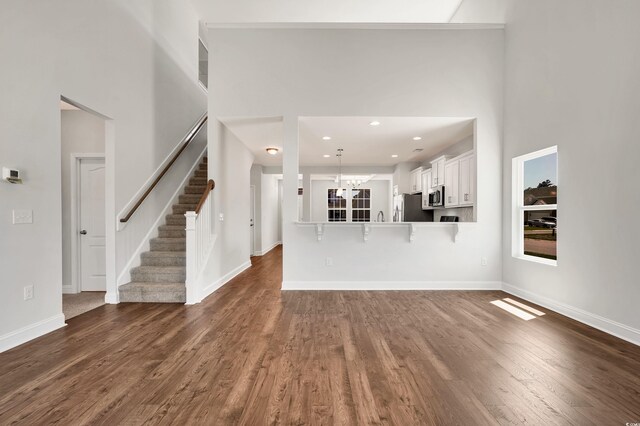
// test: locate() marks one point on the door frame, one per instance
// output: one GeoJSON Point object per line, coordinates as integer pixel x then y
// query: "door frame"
{"type": "Point", "coordinates": [252, 217]}
{"type": "Point", "coordinates": [76, 264]}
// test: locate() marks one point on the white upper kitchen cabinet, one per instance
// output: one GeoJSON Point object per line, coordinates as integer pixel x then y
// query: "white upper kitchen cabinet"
{"type": "Point", "coordinates": [426, 189]}
{"type": "Point", "coordinates": [416, 180]}
{"type": "Point", "coordinates": [467, 180]}
{"type": "Point", "coordinates": [437, 171]}
{"type": "Point", "coordinates": [451, 183]}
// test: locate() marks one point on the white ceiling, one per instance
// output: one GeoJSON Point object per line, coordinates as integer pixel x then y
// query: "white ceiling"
{"type": "Point", "coordinates": [258, 134]}
{"type": "Point", "coordinates": [363, 144]}
{"type": "Point", "coordinates": [352, 11]}
{"type": "Point", "coordinates": [366, 145]}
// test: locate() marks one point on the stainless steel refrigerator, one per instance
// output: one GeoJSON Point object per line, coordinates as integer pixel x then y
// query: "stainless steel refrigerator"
{"type": "Point", "coordinates": [408, 208]}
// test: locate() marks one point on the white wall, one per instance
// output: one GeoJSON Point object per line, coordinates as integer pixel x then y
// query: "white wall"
{"type": "Point", "coordinates": [402, 176]}
{"type": "Point", "coordinates": [373, 73]}
{"type": "Point", "coordinates": [230, 165]}
{"type": "Point", "coordinates": [81, 132]}
{"type": "Point", "coordinates": [135, 62]}
{"type": "Point", "coordinates": [269, 212]}
{"type": "Point", "coordinates": [572, 80]}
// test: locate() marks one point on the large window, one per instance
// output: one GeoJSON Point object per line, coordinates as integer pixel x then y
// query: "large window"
{"type": "Point", "coordinates": [535, 184]}
{"type": "Point", "coordinates": [352, 205]}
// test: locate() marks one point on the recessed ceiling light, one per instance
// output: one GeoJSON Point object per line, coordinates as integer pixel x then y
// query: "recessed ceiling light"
{"type": "Point", "coordinates": [326, 156]}
{"type": "Point", "coordinates": [272, 151]}
{"type": "Point", "coordinates": [417, 138]}
{"type": "Point", "coordinates": [394, 156]}
{"type": "Point", "coordinates": [374, 123]}
{"type": "Point", "coordinates": [326, 138]}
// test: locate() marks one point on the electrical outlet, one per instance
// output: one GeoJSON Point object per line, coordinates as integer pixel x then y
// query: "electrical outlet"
{"type": "Point", "coordinates": [28, 292]}
{"type": "Point", "coordinates": [22, 216]}
{"type": "Point", "coordinates": [221, 217]}
{"type": "Point", "coordinates": [328, 261]}
{"type": "Point", "coordinates": [483, 261]}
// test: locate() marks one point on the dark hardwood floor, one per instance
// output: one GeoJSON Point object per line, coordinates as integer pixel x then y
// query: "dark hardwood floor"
{"type": "Point", "coordinates": [252, 355]}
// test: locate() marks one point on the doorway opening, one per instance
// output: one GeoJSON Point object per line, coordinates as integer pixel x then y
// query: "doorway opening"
{"type": "Point", "coordinates": [83, 209]}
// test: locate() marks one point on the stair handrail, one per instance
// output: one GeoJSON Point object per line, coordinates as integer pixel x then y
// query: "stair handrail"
{"type": "Point", "coordinates": [210, 185]}
{"type": "Point", "coordinates": [185, 142]}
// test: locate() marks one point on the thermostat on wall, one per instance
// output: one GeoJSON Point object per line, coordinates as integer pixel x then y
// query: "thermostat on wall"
{"type": "Point", "coordinates": [11, 175]}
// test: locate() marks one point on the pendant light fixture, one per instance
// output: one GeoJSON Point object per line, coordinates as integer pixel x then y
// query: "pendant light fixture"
{"type": "Point", "coordinates": [340, 191]}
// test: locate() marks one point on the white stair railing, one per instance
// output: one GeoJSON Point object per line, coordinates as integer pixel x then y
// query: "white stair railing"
{"type": "Point", "coordinates": [200, 238]}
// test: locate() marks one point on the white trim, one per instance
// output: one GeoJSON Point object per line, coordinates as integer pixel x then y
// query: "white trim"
{"type": "Point", "coordinates": [608, 326]}
{"type": "Point", "coordinates": [206, 291]}
{"type": "Point", "coordinates": [353, 26]}
{"type": "Point", "coordinates": [267, 250]}
{"type": "Point", "coordinates": [74, 165]}
{"type": "Point", "coordinates": [252, 237]}
{"type": "Point", "coordinates": [125, 274]}
{"type": "Point", "coordinates": [391, 285]}
{"type": "Point", "coordinates": [518, 208]}
{"type": "Point", "coordinates": [31, 331]}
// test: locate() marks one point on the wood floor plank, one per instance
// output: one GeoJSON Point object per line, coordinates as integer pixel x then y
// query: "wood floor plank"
{"type": "Point", "coordinates": [253, 355]}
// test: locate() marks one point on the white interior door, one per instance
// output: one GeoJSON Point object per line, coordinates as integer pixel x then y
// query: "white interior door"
{"type": "Point", "coordinates": [92, 225]}
{"type": "Point", "coordinates": [252, 213]}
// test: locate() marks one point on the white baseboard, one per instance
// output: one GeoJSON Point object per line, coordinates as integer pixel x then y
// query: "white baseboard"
{"type": "Point", "coordinates": [68, 289]}
{"type": "Point", "coordinates": [30, 332]}
{"type": "Point", "coordinates": [125, 275]}
{"type": "Point", "coordinates": [111, 298]}
{"type": "Point", "coordinates": [206, 291]}
{"type": "Point", "coordinates": [263, 252]}
{"type": "Point", "coordinates": [391, 285]}
{"type": "Point", "coordinates": [614, 328]}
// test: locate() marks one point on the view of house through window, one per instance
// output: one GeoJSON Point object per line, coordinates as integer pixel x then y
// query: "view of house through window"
{"type": "Point", "coordinates": [538, 204]}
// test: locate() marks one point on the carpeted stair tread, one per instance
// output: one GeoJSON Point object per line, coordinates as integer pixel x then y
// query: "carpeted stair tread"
{"type": "Point", "coordinates": [183, 208]}
{"type": "Point", "coordinates": [159, 274]}
{"type": "Point", "coordinates": [175, 219]}
{"type": "Point", "coordinates": [164, 258]}
{"type": "Point", "coordinates": [195, 189]}
{"type": "Point", "coordinates": [172, 231]}
{"type": "Point", "coordinates": [168, 244]}
{"type": "Point", "coordinates": [200, 181]}
{"type": "Point", "coordinates": [189, 199]}
{"type": "Point", "coordinates": [153, 292]}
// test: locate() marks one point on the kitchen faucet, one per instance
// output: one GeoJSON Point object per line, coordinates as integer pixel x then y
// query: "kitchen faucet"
{"type": "Point", "coordinates": [380, 213]}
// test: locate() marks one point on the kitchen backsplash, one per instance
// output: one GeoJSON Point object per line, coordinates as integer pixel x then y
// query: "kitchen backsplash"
{"type": "Point", "coordinates": [464, 213]}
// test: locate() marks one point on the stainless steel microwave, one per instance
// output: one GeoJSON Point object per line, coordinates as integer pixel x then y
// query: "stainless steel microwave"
{"type": "Point", "coordinates": [436, 198]}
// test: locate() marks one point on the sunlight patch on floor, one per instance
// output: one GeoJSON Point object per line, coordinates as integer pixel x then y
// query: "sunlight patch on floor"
{"type": "Point", "coordinates": [523, 306]}
{"type": "Point", "coordinates": [513, 310]}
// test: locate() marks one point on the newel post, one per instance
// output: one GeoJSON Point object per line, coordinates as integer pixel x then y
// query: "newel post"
{"type": "Point", "coordinates": [192, 256]}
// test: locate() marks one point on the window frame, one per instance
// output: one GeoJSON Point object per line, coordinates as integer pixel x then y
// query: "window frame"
{"type": "Point", "coordinates": [346, 207]}
{"type": "Point", "coordinates": [352, 209]}
{"type": "Point", "coordinates": [518, 207]}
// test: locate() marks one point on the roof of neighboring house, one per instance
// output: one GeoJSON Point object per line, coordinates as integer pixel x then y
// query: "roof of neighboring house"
{"type": "Point", "coordinates": [541, 196]}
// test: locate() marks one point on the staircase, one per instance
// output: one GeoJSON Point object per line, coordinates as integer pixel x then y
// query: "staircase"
{"type": "Point", "coordinates": [160, 278]}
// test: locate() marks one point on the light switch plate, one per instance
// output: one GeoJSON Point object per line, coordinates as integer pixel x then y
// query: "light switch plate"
{"type": "Point", "coordinates": [22, 216]}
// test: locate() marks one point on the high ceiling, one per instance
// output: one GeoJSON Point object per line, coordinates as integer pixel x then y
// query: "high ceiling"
{"type": "Point", "coordinates": [363, 143]}
{"type": "Point", "coordinates": [353, 11]}
{"type": "Point", "coordinates": [367, 145]}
